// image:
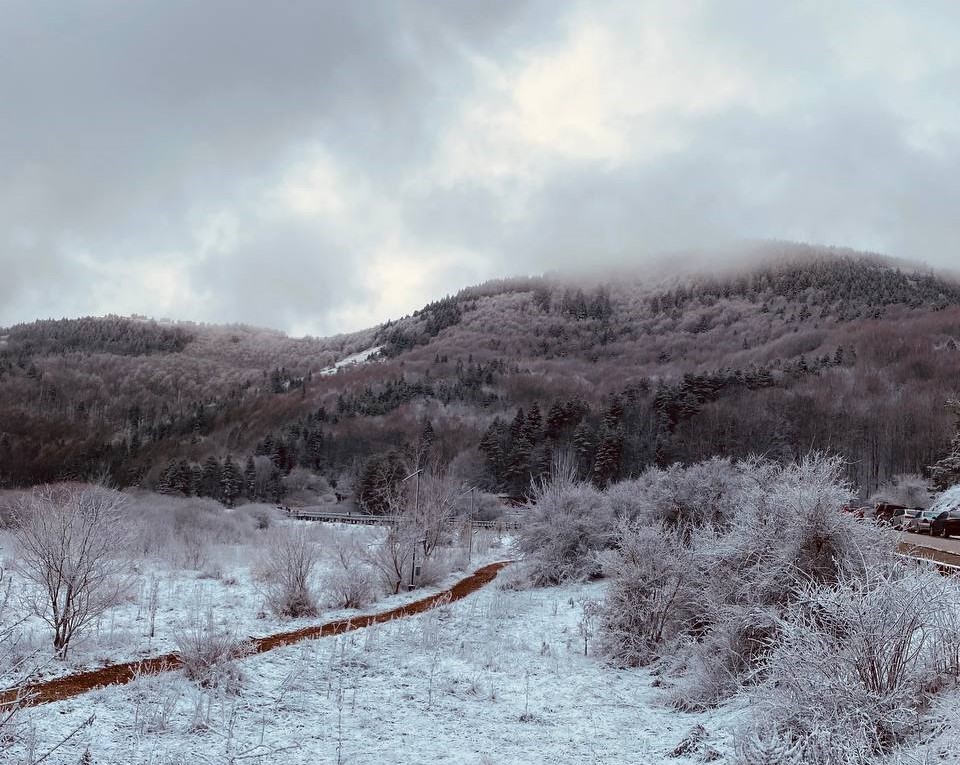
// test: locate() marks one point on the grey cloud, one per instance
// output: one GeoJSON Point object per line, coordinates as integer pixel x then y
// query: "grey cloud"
{"type": "Point", "coordinates": [125, 125]}
{"type": "Point", "coordinates": [125, 122]}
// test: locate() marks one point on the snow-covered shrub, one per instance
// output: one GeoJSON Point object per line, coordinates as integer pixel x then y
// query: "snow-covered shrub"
{"type": "Point", "coordinates": [707, 592]}
{"type": "Point", "coordinates": [818, 541]}
{"type": "Point", "coordinates": [287, 569]}
{"type": "Point", "coordinates": [907, 489]}
{"type": "Point", "coordinates": [686, 497]}
{"type": "Point", "coordinates": [184, 530]}
{"type": "Point", "coordinates": [767, 747]}
{"type": "Point", "coordinates": [563, 532]}
{"type": "Point", "coordinates": [716, 666]}
{"type": "Point", "coordinates": [435, 569]}
{"type": "Point", "coordinates": [353, 583]}
{"type": "Point", "coordinates": [262, 515]}
{"type": "Point", "coordinates": [208, 653]}
{"type": "Point", "coordinates": [652, 596]}
{"type": "Point", "coordinates": [514, 577]}
{"type": "Point", "coordinates": [856, 661]}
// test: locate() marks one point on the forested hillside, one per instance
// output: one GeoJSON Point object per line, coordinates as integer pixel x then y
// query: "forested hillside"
{"type": "Point", "coordinates": [810, 349]}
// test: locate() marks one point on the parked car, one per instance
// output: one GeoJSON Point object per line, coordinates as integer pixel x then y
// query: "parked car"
{"type": "Point", "coordinates": [902, 517]}
{"type": "Point", "coordinates": [946, 524]}
{"type": "Point", "coordinates": [920, 524]}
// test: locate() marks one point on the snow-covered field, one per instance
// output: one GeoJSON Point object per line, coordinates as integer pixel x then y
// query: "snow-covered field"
{"type": "Point", "coordinates": [222, 586]}
{"type": "Point", "coordinates": [499, 677]}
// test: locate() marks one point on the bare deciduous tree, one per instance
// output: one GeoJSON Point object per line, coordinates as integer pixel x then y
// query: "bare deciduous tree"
{"type": "Point", "coordinates": [424, 506]}
{"type": "Point", "coordinates": [287, 569]}
{"type": "Point", "coordinates": [73, 542]}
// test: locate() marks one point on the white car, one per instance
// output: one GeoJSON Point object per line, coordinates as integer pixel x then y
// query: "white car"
{"type": "Point", "coordinates": [903, 518]}
{"type": "Point", "coordinates": [920, 524]}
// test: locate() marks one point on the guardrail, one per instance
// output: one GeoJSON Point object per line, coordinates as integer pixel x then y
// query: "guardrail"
{"type": "Point", "coordinates": [947, 569]}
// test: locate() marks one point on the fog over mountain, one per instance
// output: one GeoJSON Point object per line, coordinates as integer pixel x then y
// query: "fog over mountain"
{"type": "Point", "coordinates": [283, 164]}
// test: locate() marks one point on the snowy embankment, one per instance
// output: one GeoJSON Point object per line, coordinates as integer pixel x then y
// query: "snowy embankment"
{"type": "Point", "coordinates": [356, 358]}
{"type": "Point", "coordinates": [498, 677]}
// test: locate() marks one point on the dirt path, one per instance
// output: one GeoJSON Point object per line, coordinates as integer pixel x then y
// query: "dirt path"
{"type": "Point", "coordinates": [119, 674]}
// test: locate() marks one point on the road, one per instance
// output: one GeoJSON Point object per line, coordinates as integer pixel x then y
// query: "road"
{"type": "Point", "coordinates": [925, 546]}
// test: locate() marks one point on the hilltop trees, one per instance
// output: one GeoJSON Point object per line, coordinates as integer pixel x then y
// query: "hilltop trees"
{"type": "Point", "coordinates": [817, 345]}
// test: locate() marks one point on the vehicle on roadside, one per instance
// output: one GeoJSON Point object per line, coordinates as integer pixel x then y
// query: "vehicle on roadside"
{"type": "Point", "coordinates": [856, 511]}
{"type": "Point", "coordinates": [902, 518]}
{"type": "Point", "coordinates": [946, 524]}
{"type": "Point", "coordinates": [884, 512]}
{"type": "Point", "coordinates": [920, 524]}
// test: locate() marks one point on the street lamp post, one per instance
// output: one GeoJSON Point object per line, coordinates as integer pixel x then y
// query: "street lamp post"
{"type": "Point", "coordinates": [413, 562]}
{"type": "Point", "coordinates": [416, 514]}
{"type": "Point", "coordinates": [473, 514]}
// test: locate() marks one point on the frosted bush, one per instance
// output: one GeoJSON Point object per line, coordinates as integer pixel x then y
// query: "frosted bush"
{"type": "Point", "coordinates": [353, 583]}
{"type": "Point", "coordinates": [707, 593]}
{"type": "Point", "coordinates": [701, 494]}
{"type": "Point", "coordinates": [515, 577]}
{"type": "Point", "coordinates": [208, 653]}
{"type": "Point", "coordinates": [759, 747]}
{"type": "Point", "coordinates": [652, 596]}
{"type": "Point", "coordinates": [857, 661]}
{"type": "Point", "coordinates": [287, 571]}
{"type": "Point", "coordinates": [563, 532]}
{"type": "Point", "coordinates": [717, 666]}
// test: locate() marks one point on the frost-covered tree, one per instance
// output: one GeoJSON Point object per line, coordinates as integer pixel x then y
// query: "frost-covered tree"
{"type": "Point", "coordinates": [946, 472]}
{"type": "Point", "coordinates": [231, 482]}
{"type": "Point", "coordinates": [73, 541]}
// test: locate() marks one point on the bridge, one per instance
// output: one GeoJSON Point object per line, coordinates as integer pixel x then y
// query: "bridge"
{"type": "Point", "coordinates": [507, 522]}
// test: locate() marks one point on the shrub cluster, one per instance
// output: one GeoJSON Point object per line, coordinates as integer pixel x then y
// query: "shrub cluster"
{"type": "Point", "coordinates": [745, 576]}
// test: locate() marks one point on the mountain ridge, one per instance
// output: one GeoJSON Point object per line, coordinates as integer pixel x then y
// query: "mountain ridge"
{"type": "Point", "coordinates": [129, 398]}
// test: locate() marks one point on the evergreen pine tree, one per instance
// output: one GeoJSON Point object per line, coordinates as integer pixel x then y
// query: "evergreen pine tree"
{"type": "Point", "coordinates": [250, 479]}
{"type": "Point", "coordinates": [516, 427]}
{"type": "Point", "coordinates": [314, 449]}
{"type": "Point", "coordinates": [210, 478]}
{"type": "Point", "coordinates": [606, 466]}
{"type": "Point", "coordinates": [583, 444]}
{"type": "Point", "coordinates": [231, 482]}
{"type": "Point", "coordinates": [556, 419]}
{"type": "Point", "coordinates": [533, 425]}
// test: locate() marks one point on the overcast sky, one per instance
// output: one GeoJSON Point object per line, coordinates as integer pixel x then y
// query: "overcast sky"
{"type": "Point", "coordinates": [319, 167]}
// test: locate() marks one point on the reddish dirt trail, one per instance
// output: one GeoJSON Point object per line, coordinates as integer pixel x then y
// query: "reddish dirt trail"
{"type": "Point", "coordinates": [119, 674]}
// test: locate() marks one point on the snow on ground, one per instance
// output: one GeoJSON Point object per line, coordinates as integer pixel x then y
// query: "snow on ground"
{"type": "Point", "coordinates": [499, 677]}
{"type": "Point", "coordinates": [356, 358]}
{"type": "Point", "coordinates": [222, 584]}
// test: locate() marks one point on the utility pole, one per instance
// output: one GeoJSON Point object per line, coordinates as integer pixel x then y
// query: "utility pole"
{"type": "Point", "coordinates": [473, 513]}
{"type": "Point", "coordinates": [416, 515]}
